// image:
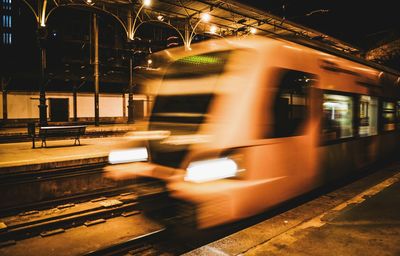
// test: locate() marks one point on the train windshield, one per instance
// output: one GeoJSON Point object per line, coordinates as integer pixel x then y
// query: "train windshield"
{"type": "Point", "coordinates": [182, 102]}
{"type": "Point", "coordinates": [187, 88]}
{"type": "Point", "coordinates": [181, 108]}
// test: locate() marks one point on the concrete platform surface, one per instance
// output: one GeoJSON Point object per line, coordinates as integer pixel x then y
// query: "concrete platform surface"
{"type": "Point", "coordinates": [20, 156]}
{"type": "Point", "coordinates": [366, 224]}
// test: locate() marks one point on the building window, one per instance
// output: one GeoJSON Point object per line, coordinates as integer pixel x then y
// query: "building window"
{"type": "Point", "coordinates": [388, 116]}
{"type": "Point", "coordinates": [7, 4]}
{"type": "Point", "coordinates": [4, 4]}
{"type": "Point", "coordinates": [7, 38]}
{"type": "Point", "coordinates": [6, 21]}
{"type": "Point", "coordinates": [368, 118]}
{"type": "Point", "coordinates": [337, 122]}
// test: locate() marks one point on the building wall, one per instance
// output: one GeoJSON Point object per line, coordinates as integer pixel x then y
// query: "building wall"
{"type": "Point", "coordinates": [24, 105]}
{"type": "Point", "coordinates": [110, 106]}
{"type": "Point", "coordinates": [85, 105]}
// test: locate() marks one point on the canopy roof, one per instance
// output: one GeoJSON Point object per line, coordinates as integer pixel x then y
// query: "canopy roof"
{"type": "Point", "coordinates": [230, 17]}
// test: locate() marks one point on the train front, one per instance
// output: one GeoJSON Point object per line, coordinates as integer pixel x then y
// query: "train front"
{"type": "Point", "coordinates": [185, 153]}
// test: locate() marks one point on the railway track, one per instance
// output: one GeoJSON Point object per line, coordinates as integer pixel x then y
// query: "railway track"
{"type": "Point", "coordinates": [51, 217]}
{"type": "Point", "coordinates": [55, 186]}
{"type": "Point", "coordinates": [46, 218]}
{"type": "Point", "coordinates": [55, 200]}
{"type": "Point", "coordinates": [48, 174]}
{"type": "Point", "coordinates": [87, 211]}
{"type": "Point", "coordinates": [124, 208]}
{"type": "Point", "coordinates": [145, 244]}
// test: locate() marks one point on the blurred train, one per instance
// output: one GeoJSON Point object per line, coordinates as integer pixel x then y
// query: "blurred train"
{"type": "Point", "coordinates": [239, 126]}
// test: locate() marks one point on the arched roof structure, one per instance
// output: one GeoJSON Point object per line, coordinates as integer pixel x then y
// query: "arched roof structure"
{"type": "Point", "coordinates": [230, 18]}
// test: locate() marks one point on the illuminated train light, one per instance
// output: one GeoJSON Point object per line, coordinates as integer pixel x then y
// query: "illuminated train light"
{"type": "Point", "coordinates": [208, 170]}
{"type": "Point", "coordinates": [128, 155]}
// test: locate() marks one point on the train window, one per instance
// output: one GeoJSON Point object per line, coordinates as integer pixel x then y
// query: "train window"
{"type": "Point", "coordinates": [291, 104]}
{"type": "Point", "coordinates": [337, 120]}
{"type": "Point", "coordinates": [388, 116]}
{"type": "Point", "coordinates": [368, 118]}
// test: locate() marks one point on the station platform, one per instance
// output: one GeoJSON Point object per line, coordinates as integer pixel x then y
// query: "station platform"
{"type": "Point", "coordinates": [94, 148]}
{"type": "Point", "coordinates": [362, 218]}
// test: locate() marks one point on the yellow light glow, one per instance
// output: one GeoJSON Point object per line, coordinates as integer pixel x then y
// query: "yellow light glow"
{"type": "Point", "coordinates": [128, 155]}
{"type": "Point", "coordinates": [253, 30]}
{"type": "Point", "coordinates": [160, 17]}
{"type": "Point", "coordinates": [205, 17]}
{"type": "Point", "coordinates": [208, 170]}
{"type": "Point", "coordinates": [147, 2]}
{"type": "Point", "coordinates": [213, 29]}
{"type": "Point", "coordinates": [149, 61]}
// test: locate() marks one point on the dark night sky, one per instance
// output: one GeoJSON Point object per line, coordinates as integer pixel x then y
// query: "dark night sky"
{"type": "Point", "coordinates": [361, 23]}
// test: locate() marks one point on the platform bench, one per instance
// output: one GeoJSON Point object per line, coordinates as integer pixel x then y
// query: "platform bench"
{"type": "Point", "coordinates": [73, 131]}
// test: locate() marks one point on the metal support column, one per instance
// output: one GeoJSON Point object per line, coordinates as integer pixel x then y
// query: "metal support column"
{"type": "Point", "coordinates": [4, 95]}
{"type": "Point", "coordinates": [187, 35]}
{"type": "Point", "coordinates": [42, 34]}
{"type": "Point", "coordinates": [123, 105]}
{"type": "Point", "coordinates": [131, 45]}
{"type": "Point", "coordinates": [74, 102]}
{"type": "Point", "coordinates": [95, 35]}
{"type": "Point", "coordinates": [131, 108]}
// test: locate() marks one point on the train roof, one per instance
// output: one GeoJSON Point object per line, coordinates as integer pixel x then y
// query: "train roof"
{"type": "Point", "coordinates": [324, 48]}
{"type": "Point", "coordinates": [259, 41]}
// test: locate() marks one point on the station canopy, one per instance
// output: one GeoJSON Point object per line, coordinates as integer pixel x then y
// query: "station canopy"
{"type": "Point", "coordinates": [226, 16]}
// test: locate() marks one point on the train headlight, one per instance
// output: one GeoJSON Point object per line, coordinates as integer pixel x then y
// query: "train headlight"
{"type": "Point", "coordinates": [212, 169]}
{"type": "Point", "coordinates": [128, 155]}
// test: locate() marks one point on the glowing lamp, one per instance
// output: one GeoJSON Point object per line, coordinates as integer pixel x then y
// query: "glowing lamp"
{"type": "Point", "coordinates": [146, 2]}
{"type": "Point", "coordinates": [213, 29]}
{"type": "Point", "coordinates": [128, 155]}
{"type": "Point", "coordinates": [213, 169]}
{"type": "Point", "coordinates": [205, 17]}
{"type": "Point", "coordinates": [89, 2]}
